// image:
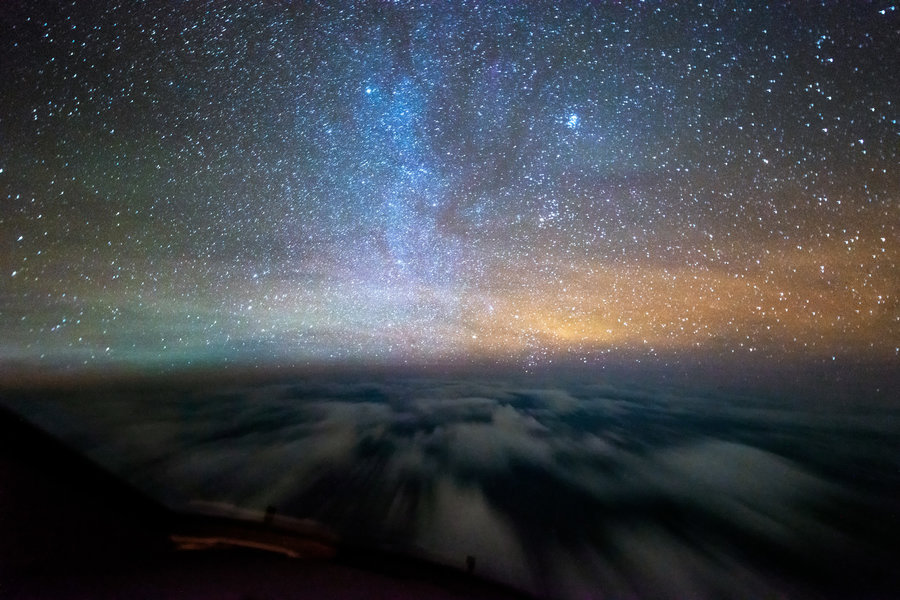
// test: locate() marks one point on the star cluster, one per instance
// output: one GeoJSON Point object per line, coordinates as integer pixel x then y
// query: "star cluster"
{"type": "Point", "coordinates": [417, 181]}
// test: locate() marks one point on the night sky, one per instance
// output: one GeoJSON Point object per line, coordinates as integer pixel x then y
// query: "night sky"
{"type": "Point", "coordinates": [394, 181]}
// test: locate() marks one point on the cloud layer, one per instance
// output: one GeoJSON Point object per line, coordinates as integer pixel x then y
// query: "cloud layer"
{"type": "Point", "coordinates": [568, 490]}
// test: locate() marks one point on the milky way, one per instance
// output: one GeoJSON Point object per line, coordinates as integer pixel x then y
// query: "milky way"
{"type": "Point", "coordinates": [398, 181]}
